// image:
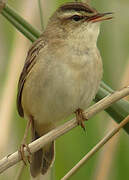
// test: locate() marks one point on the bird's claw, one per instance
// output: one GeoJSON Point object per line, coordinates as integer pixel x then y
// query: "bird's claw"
{"type": "Point", "coordinates": [21, 152]}
{"type": "Point", "coordinates": [80, 118]}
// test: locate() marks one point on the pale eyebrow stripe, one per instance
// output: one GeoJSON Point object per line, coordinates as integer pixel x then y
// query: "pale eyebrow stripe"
{"type": "Point", "coordinates": [76, 7]}
{"type": "Point", "coordinates": [69, 14]}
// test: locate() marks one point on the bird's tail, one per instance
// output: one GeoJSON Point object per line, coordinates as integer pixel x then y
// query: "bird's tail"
{"type": "Point", "coordinates": [43, 159]}
{"type": "Point", "coordinates": [46, 176]}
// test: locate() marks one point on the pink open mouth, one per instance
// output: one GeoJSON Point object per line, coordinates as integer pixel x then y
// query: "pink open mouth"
{"type": "Point", "coordinates": [100, 17]}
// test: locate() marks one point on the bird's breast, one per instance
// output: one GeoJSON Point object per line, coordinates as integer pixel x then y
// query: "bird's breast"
{"type": "Point", "coordinates": [61, 87]}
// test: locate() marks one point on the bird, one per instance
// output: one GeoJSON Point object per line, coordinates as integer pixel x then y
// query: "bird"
{"type": "Point", "coordinates": [61, 74]}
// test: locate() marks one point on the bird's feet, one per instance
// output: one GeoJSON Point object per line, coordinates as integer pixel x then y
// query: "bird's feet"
{"type": "Point", "coordinates": [80, 117]}
{"type": "Point", "coordinates": [24, 145]}
{"type": "Point", "coordinates": [21, 152]}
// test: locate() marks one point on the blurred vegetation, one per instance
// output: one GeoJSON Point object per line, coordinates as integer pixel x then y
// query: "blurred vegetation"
{"type": "Point", "coordinates": [113, 43]}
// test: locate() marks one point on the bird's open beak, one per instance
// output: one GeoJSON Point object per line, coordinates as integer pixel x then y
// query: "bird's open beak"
{"type": "Point", "coordinates": [100, 17]}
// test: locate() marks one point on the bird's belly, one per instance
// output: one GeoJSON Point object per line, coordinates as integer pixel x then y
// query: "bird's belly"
{"type": "Point", "coordinates": [61, 94]}
{"type": "Point", "coordinates": [60, 102]}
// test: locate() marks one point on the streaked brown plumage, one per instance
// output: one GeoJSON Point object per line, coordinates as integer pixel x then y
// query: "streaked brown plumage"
{"type": "Point", "coordinates": [62, 73]}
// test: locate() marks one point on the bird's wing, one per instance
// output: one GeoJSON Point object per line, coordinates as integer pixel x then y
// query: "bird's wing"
{"type": "Point", "coordinates": [29, 63]}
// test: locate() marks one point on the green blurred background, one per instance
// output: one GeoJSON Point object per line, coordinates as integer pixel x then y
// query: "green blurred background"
{"type": "Point", "coordinates": [112, 161]}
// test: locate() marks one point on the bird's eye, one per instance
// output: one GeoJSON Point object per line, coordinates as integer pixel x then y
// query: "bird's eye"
{"type": "Point", "coordinates": [77, 17]}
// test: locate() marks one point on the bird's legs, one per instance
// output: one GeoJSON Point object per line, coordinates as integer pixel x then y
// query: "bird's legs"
{"type": "Point", "coordinates": [24, 140]}
{"type": "Point", "coordinates": [80, 117]}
